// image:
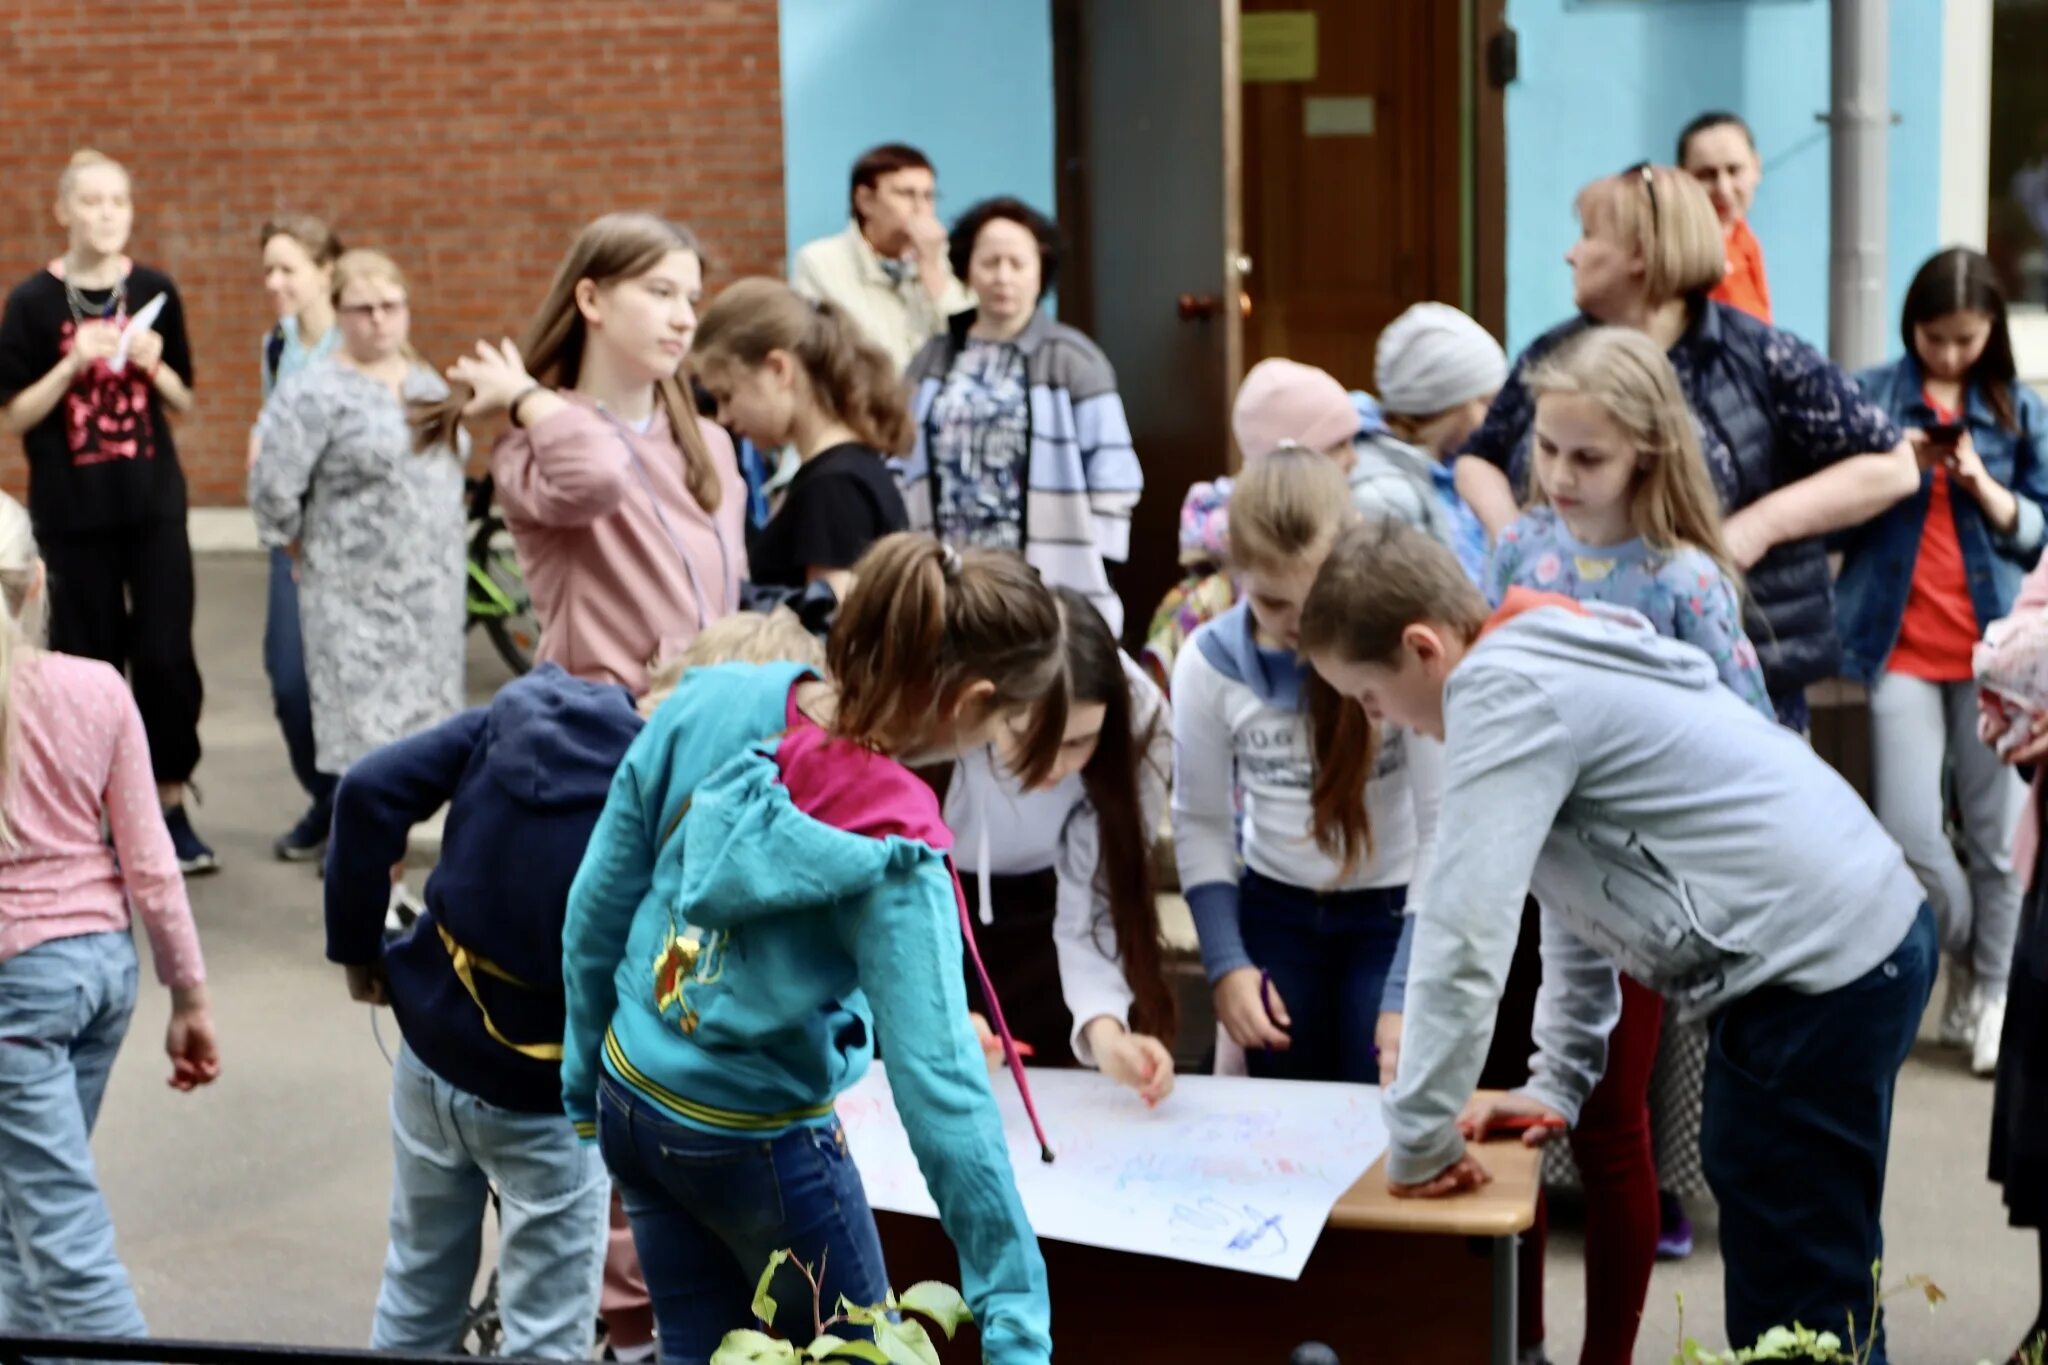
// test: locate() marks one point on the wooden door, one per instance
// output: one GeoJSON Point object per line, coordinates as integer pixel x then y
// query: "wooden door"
{"type": "Point", "coordinates": [1352, 178]}
{"type": "Point", "coordinates": [1147, 133]}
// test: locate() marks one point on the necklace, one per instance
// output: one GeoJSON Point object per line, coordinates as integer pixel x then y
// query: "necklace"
{"type": "Point", "coordinates": [84, 309]}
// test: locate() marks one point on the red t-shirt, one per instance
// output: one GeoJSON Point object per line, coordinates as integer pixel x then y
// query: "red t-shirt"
{"type": "Point", "coordinates": [1744, 285]}
{"type": "Point", "coordinates": [1940, 626]}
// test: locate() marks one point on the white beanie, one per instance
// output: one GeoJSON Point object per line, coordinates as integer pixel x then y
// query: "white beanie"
{"type": "Point", "coordinates": [1433, 358]}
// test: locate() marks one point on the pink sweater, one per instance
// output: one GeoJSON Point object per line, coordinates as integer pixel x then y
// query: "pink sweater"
{"type": "Point", "coordinates": [624, 566]}
{"type": "Point", "coordinates": [81, 755]}
{"type": "Point", "coordinates": [2027, 841]}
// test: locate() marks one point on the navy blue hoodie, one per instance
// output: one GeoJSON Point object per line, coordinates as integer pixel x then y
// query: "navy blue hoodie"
{"type": "Point", "coordinates": [525, 780]}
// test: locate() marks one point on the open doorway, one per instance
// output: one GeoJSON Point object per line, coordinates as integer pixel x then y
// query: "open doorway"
{"type": "Point", "coordinates": [1246, 178]}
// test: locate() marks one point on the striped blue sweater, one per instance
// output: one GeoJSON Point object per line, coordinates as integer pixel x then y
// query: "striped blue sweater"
{"type": "Point", "coordinates": [1084, 479]}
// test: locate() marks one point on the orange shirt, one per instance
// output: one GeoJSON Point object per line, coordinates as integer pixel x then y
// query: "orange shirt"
{"type": "Point", "coordinates": [1940, 626]}
{"type": "Point", "coordinates": [1744, 285]}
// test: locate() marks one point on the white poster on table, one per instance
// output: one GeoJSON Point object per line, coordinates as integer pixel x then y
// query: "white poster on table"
{"type": "Point", "coordinates": [1228, 1172]}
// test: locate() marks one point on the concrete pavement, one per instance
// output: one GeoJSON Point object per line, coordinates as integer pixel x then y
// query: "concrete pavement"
{"type": "Point", "coordinates": [255, 1210]}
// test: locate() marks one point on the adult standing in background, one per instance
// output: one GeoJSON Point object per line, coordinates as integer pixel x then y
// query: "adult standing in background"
{"type": "Point", "coordinates": [1021, 442]}
{"type": "Point", "coordinates": [889, 270]}
{"type": "Point", "coordinates": [1718, 150]}
{"type": "Point", "coordinates": [372, 511]}
{"type": "Point", "coordinates": [1795, 449]}
{"type": "Point", "coordinates": [104, 487]}
{"type": "Point", "coordinates": [299, 252]}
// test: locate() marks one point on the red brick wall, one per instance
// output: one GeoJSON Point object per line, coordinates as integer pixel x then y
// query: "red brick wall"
{"type": "Point", "coordinates": [468, 138]}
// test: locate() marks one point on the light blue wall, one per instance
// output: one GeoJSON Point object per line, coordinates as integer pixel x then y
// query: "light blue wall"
{"type": "Point", "coordinates": [967, 81]}
{"type": "Point", "coordinates": [1608, 82]}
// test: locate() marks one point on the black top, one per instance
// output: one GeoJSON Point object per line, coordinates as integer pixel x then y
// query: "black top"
{"type": "Point", "coordinates": [842, 500]}
{"type": "Point", "coordinates": [104, 457]}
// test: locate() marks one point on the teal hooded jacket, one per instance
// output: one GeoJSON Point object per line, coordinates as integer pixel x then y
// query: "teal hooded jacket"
{"type": "Point", "coordinates": [757, 902]}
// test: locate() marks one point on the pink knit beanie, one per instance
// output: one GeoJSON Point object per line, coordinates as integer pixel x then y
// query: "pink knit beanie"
{"type": "Point", "coordinates": [1283, 400]}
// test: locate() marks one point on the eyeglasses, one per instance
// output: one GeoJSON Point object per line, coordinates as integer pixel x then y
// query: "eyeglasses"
{"type": "Point", "coordinates": [365, 311]}
{"type": "Point", "coordinates": [1648, 174]}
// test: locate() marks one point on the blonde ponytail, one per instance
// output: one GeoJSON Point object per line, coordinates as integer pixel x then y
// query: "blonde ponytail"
{"type": "Point", "coordinates": [21, 628]}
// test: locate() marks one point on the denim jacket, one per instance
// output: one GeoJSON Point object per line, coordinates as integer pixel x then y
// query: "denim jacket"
{"type": "Point", "coordinates": [1878, 557]}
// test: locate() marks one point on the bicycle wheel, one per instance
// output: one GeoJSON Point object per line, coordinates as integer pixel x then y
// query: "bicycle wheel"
{"type": "Point", "coordinates": [498, 599]}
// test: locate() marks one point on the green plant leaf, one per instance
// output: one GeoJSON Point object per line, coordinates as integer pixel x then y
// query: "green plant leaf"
{"type": "Point", "coordinates": [748, 1347]}
{"type": "Point", "coordinates": [764, 1302]}
{"type": "Point", "coordinates": [906, 1343]}
{"type": "Point", "coordinates": [859, 1316]}
{"type": "Point", "coordinates": [853, 1350]}
{"type": "Point", "coordinates": [939, 1302]}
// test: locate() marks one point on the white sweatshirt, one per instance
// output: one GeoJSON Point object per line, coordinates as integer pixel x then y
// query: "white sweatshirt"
{"type": "Point", "coordinates": [999, 829]}
{"type": "Point", "coordinates": [1240, 730]}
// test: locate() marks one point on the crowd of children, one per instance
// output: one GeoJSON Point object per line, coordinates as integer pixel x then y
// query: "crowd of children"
{"type": "Point", "coordinates": [1525, 770]}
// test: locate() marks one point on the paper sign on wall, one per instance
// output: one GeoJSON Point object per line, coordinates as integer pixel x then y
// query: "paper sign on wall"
{"type": "Point", "coordinates": [1339, 116]}
{"type": "Point", "coordinates": [1277, 45]}
{"type": "Point", "coordinates": [1229, 1172]}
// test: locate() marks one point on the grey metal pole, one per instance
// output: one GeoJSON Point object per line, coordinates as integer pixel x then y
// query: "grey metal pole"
{"type": "Point", "coordinates": [1859, 118]}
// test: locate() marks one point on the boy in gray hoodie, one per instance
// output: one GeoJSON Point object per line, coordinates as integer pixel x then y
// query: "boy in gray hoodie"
{"type": "Point", "coordinates": [1668, 831]}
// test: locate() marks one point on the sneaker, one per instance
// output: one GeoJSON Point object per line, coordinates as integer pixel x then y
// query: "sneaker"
{"type": "Point", "coordinates": [1959, 1013]}
{"type": "Point", "coordinates": [405, 908]}
{"type": "Point", "coordinates": [195, 859]}
{"type": "Point", "coordinates": [306, 842]}
{"type": "Point", "coordinates": [1674, 1229]}
{"type": "Point", "coordinates": [1990, 1028]}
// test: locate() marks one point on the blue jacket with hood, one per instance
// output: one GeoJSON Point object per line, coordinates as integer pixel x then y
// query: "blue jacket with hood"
{"type": "Point", "coordinates": [524, 779]}
{"type": "Point", "coordinates": [757, 902]}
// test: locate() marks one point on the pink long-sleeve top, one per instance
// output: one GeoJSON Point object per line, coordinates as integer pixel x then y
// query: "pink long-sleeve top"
{"type": "Point", "coordinates": [80, 754]}
{"type": "Point", "coordinates": [2033, 596]}
{"type": "Point", "coordinates": [624, 565]}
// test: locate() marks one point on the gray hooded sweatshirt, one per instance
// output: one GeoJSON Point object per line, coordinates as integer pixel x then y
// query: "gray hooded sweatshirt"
{"type": "Point", "coordinates": [1665, 827]}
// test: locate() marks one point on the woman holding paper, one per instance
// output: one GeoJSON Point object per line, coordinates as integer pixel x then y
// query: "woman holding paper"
{"type": "Point", "coordinates": [93, 359]}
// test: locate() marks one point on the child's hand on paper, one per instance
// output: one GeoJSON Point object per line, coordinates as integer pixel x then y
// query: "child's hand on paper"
{"type": "Point", "coordinates": [1386, 1038]}
{"type": "Point", "coordinates": [1251, 1011]}
{"type": "Point", "coordinates": [1463, 1174]}
{"type": "Point", "coordinates": [1133, 1059]}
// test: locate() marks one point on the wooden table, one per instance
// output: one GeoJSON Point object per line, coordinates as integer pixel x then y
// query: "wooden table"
{"type": "Point", "coordinates": [1393, 1281]}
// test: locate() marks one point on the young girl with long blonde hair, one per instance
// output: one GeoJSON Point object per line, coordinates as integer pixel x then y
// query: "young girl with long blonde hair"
{"type": "Point", "coordinates": [627, 509]}
{"type": "Point", "coordinates": [74, 762]}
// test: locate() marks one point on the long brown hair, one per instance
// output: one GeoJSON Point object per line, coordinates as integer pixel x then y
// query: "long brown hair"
{"type": "Point", "coordinates": [616, 247]}
{"type": "Point", "coordinates": [1111, 779]}
{"type": "Point", "coordinates": [1960, 280]}
{"type": "Point", "coordinates": [1287, 504]}
{"type": "Point", "coordinates": [1672, 502]}
{"type": "Point", "coordinates": [850, 376]}
{"type": "Point", "coordinates": [1379, 578]}
{"type": "Point", "coordinates": [925, 621]}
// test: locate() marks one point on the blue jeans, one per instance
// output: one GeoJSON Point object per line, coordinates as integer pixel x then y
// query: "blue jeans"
{"type": "Point", "coordinates": [284, 659]}
{"type": "Point", "coordinates": [64, 1009]}
{"type": "Point", "coordinates": [450, 1149]}
{"type": "Point", "coordinates": [1794, 1136]}
{"type": "Point", "coordinates": [708, 1211]}
{"type": "Point", "coordinates": [1326, 955]}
